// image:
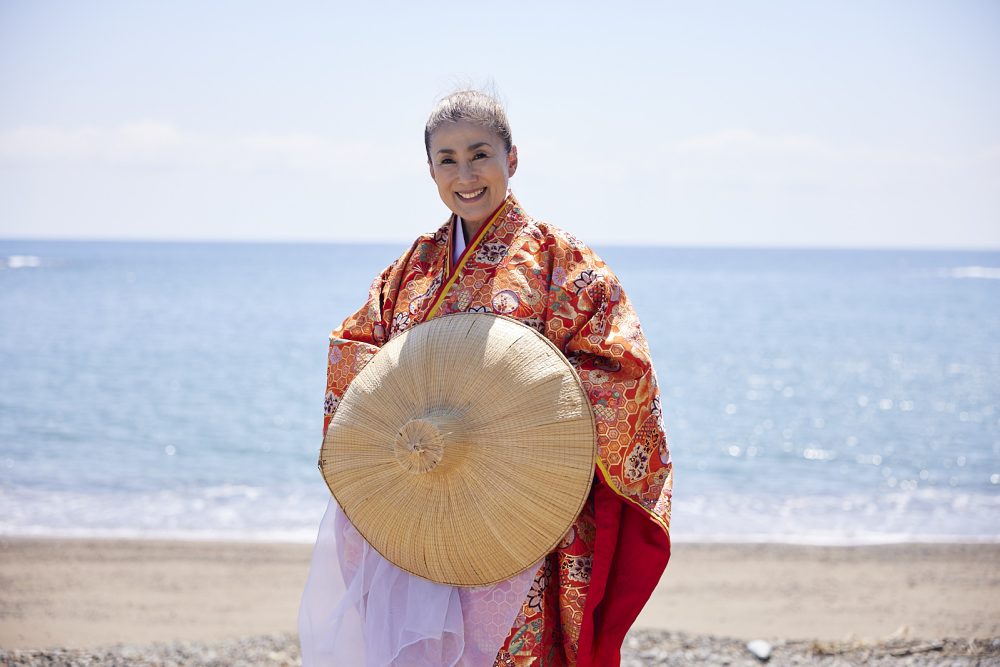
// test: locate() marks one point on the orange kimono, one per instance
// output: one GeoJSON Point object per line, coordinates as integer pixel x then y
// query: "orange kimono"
{"type": "Point", "coordinates": [588, 591]}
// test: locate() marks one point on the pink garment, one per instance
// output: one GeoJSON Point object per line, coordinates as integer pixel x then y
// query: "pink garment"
{"type": "Point", "coordinates": [360, 609]}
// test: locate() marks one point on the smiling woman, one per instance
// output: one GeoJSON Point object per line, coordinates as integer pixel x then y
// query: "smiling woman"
{"type": "Point", "coordinates": [490, 256]}
{"type": "Point", "coordinates": [471, 156]}
{"type": "Point", "coordinates": [471, 168]}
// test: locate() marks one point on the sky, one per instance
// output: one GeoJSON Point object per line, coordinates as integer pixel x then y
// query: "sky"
{"type": "Point", "coordinates": [789, 124]}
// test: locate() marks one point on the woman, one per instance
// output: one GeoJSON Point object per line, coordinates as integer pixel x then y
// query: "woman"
{"type": "Point", "coordinates": [491, 256]}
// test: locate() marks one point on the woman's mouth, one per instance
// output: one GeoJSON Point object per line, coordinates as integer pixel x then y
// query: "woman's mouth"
{"type": "Point", "coordinates": [472, 195]}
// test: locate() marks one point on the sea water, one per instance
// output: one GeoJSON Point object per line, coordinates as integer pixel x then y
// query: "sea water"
{"type": "Point", "coordinates": [176, 389]}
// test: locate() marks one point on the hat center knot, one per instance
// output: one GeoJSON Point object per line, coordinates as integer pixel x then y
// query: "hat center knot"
{"type": "Point", "coordinates": [419, 446]}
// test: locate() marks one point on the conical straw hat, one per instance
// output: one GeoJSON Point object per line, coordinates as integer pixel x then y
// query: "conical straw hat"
{"type": "Point", "coordinates": [464, 450]}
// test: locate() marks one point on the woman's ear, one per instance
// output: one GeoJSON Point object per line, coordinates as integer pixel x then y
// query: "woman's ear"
{"type": "Point", "coordinates": [430, 168]}
{"type": "Point", "coordinates": [511, 161]}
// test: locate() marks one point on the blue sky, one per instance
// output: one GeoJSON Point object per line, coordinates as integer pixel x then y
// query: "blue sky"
{"type": "Point", "coordinates": [848, 124]}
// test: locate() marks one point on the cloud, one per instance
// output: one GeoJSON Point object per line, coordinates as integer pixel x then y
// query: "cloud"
{"type": "Point", "coordinates": [160, 145]}
{"type": "Point", "coordinates": [730, 156]}
{"type": "Point", "coordinates": [741, 157]}
{"type": "Point", "coordinates": [746, 141]}
{"type": "Point", "coordinates": [127, 145]}
{"type": "Point", "coordinates": [792, 147]}
{"type": "Point", "coordinates": [731, 186]}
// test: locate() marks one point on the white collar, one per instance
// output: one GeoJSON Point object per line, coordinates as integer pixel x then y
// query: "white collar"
{"type": "Point", "coordinates": [458, 240]}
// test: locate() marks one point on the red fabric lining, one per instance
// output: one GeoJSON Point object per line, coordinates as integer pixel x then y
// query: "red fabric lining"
{"type": "Point", "coordinates": [630, 553]}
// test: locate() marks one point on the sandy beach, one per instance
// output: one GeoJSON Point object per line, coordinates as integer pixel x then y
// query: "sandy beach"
{"type": "Point", "coordinates": [82, 594]}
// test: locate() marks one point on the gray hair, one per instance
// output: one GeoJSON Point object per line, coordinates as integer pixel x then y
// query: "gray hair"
{"type": "Point", "coordinates": [471, 105]}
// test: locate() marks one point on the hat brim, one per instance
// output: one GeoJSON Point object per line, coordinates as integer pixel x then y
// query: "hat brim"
{"type": "Point", "coordinates": [464, 450]}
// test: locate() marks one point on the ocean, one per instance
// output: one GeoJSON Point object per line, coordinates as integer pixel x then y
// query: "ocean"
{"type": "Point", "coordinates": [175, 390]}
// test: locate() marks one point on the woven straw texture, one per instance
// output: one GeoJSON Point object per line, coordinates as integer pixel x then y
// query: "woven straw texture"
{"type": "Point", "coordinates": [464, 450]}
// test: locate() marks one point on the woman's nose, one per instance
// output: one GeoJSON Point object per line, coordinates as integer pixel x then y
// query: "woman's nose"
{"type": "Point", "coordinates": [465, 171]}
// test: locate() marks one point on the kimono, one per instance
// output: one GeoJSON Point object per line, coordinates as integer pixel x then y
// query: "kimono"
{"type": "Point", "coordinates": [589, 590]}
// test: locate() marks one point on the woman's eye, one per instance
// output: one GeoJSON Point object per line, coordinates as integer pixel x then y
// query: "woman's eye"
{"type": "Point", "coordinates": [446, 160]}
{"type": "Point", "coordinates": [479, 156]}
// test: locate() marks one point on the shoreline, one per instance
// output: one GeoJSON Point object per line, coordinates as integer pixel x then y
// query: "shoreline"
{"type": "Point", "coordinates": [300, 539]}
{"type": "Point", "coordinates": [85, 593]}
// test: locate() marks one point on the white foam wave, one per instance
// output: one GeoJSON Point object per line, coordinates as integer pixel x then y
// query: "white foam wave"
{"type": "Point", "coordinates": [831, 539]}
{"type": "Point", "coordinates": [984, 272]}
{"type": "Point", "coordinates": [921, 515]}
{"type": "Point", "coordinates": [223, 512]}
{"type": "Point", "coordinates": [21, 262]}
{"type": "Point", "coordinates": [290, 536]}
{"type": "Point", "coordinates": [251, 513]}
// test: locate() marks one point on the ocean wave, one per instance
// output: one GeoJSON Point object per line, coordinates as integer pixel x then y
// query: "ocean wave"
{"type": "Point", "coordinates": [833, 539]}
{"type": "Point", "coordinates": [21, 262]}
{"type": "Point", "coordinates": [245, 513]}
{"type": "Point", "coordinates": [222, 512]}
{"type": "Point", "coordinates": [984, 272]}
{"type": "Point", "coordinates": [920, 515]}
{"type": "Point", "coordinates": [289, 536]}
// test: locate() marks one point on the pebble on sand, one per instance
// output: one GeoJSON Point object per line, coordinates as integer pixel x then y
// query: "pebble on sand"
{"type": "Point", "coordinates": [760, 648]}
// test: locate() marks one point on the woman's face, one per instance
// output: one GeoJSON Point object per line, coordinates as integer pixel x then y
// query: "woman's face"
{"type": "Point", "coordinates": [471, 168]}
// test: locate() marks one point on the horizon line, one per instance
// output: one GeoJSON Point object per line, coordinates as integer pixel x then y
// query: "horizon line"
{"type": "Point", "coordinates": [398, 242]}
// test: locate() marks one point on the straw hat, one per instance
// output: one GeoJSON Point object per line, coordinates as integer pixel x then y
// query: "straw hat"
{"type": "Point", "coordinates": [464, 450]}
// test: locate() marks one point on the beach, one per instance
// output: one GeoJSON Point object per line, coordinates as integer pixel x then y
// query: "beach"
{"type": "Point", "coordinates": [84, 595]}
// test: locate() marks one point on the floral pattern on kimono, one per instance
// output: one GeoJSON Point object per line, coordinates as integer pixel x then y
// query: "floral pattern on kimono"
{"type": "Point", "coordinates": [547, 279]}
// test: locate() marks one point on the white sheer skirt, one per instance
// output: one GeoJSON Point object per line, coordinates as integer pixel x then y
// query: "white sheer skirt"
{"type": "Point", "coordinates": [360, 609]}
